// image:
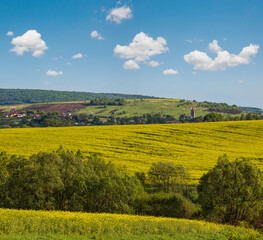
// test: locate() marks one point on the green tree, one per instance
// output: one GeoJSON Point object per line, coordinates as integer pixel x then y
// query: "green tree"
{"type": "Point", "coordinates": [108, 190]}
{"type": "Point", "coordinates": [15, 186]}
{"type": "Point", "coordinates": [231, 192]}
{"type": "Point", "coordinates": [43, 180]}
{"type": "Point", "coordinates": [72, 174]}
{"type": "Point", "coordinates": [163, 174]}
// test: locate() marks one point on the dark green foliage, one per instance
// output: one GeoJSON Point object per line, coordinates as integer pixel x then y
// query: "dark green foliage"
{"type": "Point", "coordinates": [217, 117]}
{"type": "Point", "coordinates": [231, 192]}
{"type": "Point", "coordinates": [220, 107]}
{"type": "Point", "coordinates": [19, 96]}
{"type": "Point", "coordinates": [168, 176]}
{"type": "Point", "coordinates": [162, 174]}
{"type": "Point", "coordinates": [108, 190]}
{"type": "Point", "coordinates": [166, 205]}
{"type": "Point", "coordinates": [251, 109]}
{"type": "Point", "coordinates": [63, 180]}
{"type": "Point", "coordinates": [213, 117]}
{"type": "Point", "coordinates": [105, 102]}
{"type": "Point", "coordinates": [42, 181]}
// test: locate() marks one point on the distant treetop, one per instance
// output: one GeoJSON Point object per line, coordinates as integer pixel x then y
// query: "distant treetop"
{"type": "Point", "coordinates": [21, 96]}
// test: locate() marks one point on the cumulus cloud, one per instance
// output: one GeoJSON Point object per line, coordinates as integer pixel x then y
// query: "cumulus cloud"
{"type": "Point", "coordinates": [153, 63]}
{"type": "Point", "coordinates": [29, 41]}
{"type": "Point", "coordinates": [78, 55]}
{"type": "Point", "coordinates": [141, 48]}
{"type": "Point", "coordinates": [214, 47]}
{"type": "Point", "coordinates": [224, 59]}
{"type": "Point", "coordinates": [96, 34]}
{"type": "Point", "coordinates": [131, 64]}
{"type": "Point", "coordinates": [240, 81]}
{"type": "Point", "coordinates": [119, 13]}
{"type": "Point", "coordinates": [52, 73]}
{"type": "Point", "coordinates": [170, 72]}
{"type": "Point", "coordinates": [9, 33]}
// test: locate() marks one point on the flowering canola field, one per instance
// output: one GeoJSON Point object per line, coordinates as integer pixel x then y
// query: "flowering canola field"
{"type": "Point", "coordinates": [23, 222]}
{"type": "Point", "coordinates": [132, 148]}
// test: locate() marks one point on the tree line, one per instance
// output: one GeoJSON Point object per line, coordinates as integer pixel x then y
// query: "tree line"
{"type": "Point", "coordinates": [21, 96]}
{"type": "Point", "coordinates": [231, 192]}
{"type": "Point", "coordinates": [55, 119]}
{"type": "Point", "coordinates": [107, 102]}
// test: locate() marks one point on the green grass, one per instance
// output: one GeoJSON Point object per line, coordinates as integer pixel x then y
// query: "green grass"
{"type": "Point", "coordinates": [138, 108]}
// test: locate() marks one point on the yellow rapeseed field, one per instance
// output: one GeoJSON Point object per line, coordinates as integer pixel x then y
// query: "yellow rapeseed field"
{"type": "Point", "coordinates": [134, 147]}
{"type": "Point", "coordinates": [22, 222]}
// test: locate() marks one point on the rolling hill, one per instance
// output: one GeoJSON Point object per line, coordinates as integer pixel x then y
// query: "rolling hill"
{"type": "Point", "coordinates": [134, 148]}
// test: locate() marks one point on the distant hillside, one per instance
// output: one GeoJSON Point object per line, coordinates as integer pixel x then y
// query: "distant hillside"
{"type": "Point", "coordinates": [21, 96]}
{"type": "Point", "coordinates": [251, 109]}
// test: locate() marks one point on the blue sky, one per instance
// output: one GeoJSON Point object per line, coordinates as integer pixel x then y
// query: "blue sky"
{"type": "Point", "coordinates": [187, 49]}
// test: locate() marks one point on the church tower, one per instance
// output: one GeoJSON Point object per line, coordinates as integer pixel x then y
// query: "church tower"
{"type": "Point", "coordinates": [193, 113]}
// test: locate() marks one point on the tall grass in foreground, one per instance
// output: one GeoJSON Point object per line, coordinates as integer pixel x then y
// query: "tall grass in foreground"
{"type": "Point", "coordinates": [28, 222]}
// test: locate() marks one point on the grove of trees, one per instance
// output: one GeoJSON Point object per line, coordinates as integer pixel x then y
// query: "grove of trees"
{"type": "Point", "coordinates": [230, 193]}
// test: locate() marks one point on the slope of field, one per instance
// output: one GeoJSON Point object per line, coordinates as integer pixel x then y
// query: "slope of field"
{"type": "Point", "coordinates": [196, 146]}
{"type": "Point", "coordinates": [138, 108]}
{"type": "Point", "coordinates": [23, 222]}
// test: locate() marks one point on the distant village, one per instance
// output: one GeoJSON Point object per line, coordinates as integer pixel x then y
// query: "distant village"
{"type": "Point", "coordinates": [31, 118]}
{"type": "Point", "coordinates": [16, 113]}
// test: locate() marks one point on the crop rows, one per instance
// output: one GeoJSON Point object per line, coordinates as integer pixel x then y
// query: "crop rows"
{"type": "Point", "coordinates": [133, 148]}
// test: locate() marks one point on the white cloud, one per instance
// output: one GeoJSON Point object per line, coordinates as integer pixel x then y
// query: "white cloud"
{"type": "Point", "coordinates": [170, 72]}
{"type": "Point", "coordinates": [194, 40]}
{"type": "Point", "coordinates": [52, 73]}
{"type": "Point", "coordinates": [240, 81]}
{"type": "Point", "coordinates": [131, 64]}
{"type": "Point", "coordinates": [29, 41]}
{"type": "Point", "coordinates": [224, 39]}
{"type": "Point", "coordinates": [9, 33]}
{"type": "Point", "coordinates": [78, 55]}
{"type": "Point", "coordinates": [224, 59]}
{"type": "Point", "coordinates": [141, 48]}
{"type": "Point", "coordinates": [69, 63]}
{"type": "Point", "coordinates": [194, 73]}
{"type": "Point", "coordinates": [47, 83]}
{"type": "Point", "coordinates": [96, 34]}
{"type": "Point", "coordinates": [153, 63]}
{"type": "Point", "coordinates": [118, 14]}
{"type": "Point", "coordinates": [214, 47]}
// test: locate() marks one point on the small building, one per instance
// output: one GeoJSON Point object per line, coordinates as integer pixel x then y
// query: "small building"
{"type": "Point", "coordinates": [193, 113]}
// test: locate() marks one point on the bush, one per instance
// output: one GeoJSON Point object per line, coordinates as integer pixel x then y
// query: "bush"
{"type": "Point", "coordinates": [63, 180]}
{"type": "Point", "coordinates": [166, 205]}
{"type": "Point", "coordinates": [231, 192]}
